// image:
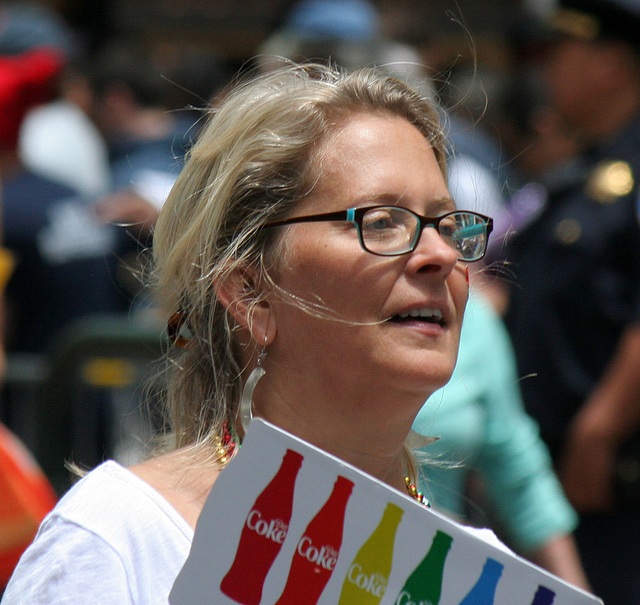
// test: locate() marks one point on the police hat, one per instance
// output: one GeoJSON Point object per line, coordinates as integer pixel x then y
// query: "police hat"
{"type": "Point", "coordinates": [597, 19]}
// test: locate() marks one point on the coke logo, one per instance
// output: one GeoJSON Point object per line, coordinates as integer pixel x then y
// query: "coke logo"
{"type": "Point", "coordinates": [404, 598]}
{"type": "Point", "coordinates": [274, 530]}
{"type": "Point", "coordinates": [324, 557]}
{"type": "Point", "coordinates": [373, 583]}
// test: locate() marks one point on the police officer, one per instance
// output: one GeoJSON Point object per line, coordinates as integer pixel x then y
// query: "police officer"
{"type": "Point", "coordinates": [575, 306]}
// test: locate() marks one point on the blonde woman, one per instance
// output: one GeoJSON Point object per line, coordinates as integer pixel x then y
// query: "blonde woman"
{"type": "Point", "coordinates": [310, 236]}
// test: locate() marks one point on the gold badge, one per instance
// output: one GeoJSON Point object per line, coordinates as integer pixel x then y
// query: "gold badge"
{"type": "Point", "coordinates": [610, 180]}
{"type": "Point", "coordinates": [576, 23]}
{"type": "Point", "coordinates": [568, 231]}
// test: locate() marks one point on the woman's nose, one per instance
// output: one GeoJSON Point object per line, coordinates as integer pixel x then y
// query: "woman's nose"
{"type": "Point", "coordinates": [432, 254]}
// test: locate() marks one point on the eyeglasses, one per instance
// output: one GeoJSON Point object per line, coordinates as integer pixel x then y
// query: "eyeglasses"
{"type": "Point", "coordinates": [393, 230]}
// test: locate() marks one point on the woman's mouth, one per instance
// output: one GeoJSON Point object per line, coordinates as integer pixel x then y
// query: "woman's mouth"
{"type": "Point", "coordinates": [426, 314]}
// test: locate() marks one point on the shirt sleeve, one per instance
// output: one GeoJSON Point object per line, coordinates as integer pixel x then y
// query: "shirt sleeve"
{"type": "Point", "coordinates": [515, 463]}
{"type": "Point", "coordinates": [68, 565]}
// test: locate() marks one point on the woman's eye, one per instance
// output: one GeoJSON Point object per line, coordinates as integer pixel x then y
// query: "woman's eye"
{"type": "Point", "coordinates": [449, 228]}
{"type": "Point", "coordinates": [379, 221]}
{"type": "Point", "coordinates": [380, 224]}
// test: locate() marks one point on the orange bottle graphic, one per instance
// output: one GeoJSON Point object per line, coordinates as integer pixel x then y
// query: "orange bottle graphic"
{"type": "Point", "coordinates": [368, 574]}
{"type": "Point", "coordinates": [264, 532]}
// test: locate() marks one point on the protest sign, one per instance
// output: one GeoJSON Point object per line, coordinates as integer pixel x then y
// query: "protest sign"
{"type": "Point", "coordinates": [287, 523]}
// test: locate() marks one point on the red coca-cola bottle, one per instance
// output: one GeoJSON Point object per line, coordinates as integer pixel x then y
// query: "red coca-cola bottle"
{"type": "Point", "coordinates": [263, 534]}
{"type": "Point", "coordinates": [317, 551]}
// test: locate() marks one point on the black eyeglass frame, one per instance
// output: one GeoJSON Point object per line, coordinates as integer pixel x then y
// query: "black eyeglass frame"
{"type": "Point", "coordinates": [355, 215]}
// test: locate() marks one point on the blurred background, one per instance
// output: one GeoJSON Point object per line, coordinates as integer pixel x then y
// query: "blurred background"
{"type": "Point", "coordinates": [99, 101]}
{"type": "Point", "coordinates": [236, 29]}
{"type": "Point", "coordinates": [94, 139]}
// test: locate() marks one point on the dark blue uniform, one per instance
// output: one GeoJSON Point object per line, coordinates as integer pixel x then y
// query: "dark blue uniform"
{"type": "Point", "coordinates": [577, 284]}
{"type": "Point", "coordinates": [576, 288]}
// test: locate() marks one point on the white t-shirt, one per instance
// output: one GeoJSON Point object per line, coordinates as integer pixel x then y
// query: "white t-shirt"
{"type": "Point", "coordinates": [88, 551]}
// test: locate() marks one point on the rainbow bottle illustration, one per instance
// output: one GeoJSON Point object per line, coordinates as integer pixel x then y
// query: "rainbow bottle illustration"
{"type": "Point", "coordinates": [543, 596]}
{"type": "Point", "coordinates": [484, 591]}
{"type": "Point", "coordinates": [318, 548]}
{"type": "Point", "coordinates": [368, 574]}
{"type": "Point", "coordinates": [263, 534]}
{"type": "Point", "coordinates": [424, 585]}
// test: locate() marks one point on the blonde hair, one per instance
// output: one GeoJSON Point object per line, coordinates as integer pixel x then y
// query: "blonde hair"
{"type": "Point", "coordinates": [252, 164]}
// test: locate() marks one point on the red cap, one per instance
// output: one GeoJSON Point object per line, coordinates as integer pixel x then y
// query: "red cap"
{"type": "Point", "coordinates": [25, 81]}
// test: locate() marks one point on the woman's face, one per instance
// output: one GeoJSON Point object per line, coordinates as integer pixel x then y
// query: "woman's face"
{"type": "Point", "coordinates": [370, 160]}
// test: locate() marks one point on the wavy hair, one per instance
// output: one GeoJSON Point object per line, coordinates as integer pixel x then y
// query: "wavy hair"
{"type": "Point", "coordinates": [252, 163]}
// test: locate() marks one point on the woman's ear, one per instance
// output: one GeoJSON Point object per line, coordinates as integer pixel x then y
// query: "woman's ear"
{"type": "Point", "coordinates": [243, 298]}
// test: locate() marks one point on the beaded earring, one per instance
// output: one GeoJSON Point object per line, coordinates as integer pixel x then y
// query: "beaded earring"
{"type": "Point", "coordinates": [176, 328]}
{"type": "Point", "coordinates": [246, 401]}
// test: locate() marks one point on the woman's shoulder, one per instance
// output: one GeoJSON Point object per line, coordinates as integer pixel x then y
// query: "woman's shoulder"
{"type": "Point", "coordinates": [487, 535]}
{"type": "Point", "coordinates": [181, 479]}
{"type": "Point", "coordinates": [111, 497]}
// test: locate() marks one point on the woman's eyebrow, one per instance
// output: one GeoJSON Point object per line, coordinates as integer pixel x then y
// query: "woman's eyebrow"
{"type": "Point", "coordinates": [444, 203]}
{"type": "Point", "coordinates": [373, 199]}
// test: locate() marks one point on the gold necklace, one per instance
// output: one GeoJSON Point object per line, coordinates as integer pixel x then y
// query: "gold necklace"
{"type": "Point", "coordinates": [415, 494]}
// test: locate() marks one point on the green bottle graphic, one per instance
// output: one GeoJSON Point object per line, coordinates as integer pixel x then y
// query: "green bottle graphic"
{"type": "Point", "coordinates": [368, 574]}
{"type": "Point", "coordinates": [425, 583]}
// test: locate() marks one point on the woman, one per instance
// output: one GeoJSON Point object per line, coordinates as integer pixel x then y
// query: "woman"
{"type": "Point", "coordinates": [295, 241]}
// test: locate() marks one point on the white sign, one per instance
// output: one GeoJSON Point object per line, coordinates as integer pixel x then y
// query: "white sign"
{"type": "Point", "coordinates": [287, 523]}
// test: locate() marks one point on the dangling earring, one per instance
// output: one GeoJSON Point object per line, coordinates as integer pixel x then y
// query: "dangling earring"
{"type": "Point", "coordinates": [246, 413]}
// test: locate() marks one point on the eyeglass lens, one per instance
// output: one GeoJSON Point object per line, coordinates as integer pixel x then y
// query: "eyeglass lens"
{"type": "Point", "coordinates": [392, 230]}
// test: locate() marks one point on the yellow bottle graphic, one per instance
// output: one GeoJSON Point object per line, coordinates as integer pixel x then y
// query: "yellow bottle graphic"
{"type": "Point", "coordinates": [368, 574]}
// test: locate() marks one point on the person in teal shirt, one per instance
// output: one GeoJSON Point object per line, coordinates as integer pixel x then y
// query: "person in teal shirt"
{"type": "Point", "coordinates": [484, 430]}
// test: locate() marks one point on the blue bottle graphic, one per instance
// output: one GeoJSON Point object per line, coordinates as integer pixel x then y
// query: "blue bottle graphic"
{"type": "Point", "coordinates": [544, 596]}
{"type": "Point", "coordinates": [484, 591]}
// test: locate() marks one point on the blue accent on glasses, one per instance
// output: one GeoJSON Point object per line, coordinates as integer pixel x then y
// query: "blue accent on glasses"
{"type": "Point", "coordinates": [394, 230]}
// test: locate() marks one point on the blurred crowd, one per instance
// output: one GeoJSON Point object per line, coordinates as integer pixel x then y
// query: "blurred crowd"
{"type": "Point", "coordinates": [548, 145]}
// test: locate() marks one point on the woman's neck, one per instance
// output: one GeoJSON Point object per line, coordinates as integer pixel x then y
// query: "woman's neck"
{"type": "Point", "coordinates": [363, 434]}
